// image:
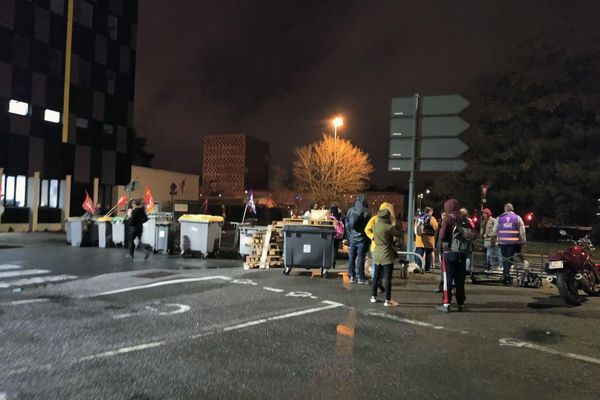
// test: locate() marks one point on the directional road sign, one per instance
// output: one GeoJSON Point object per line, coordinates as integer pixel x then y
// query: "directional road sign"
{"type": "Point", "coordinates": [431, 165]}
{"type": "Point", "coordinates": [430, 126]}
{"type": "Point", "coordinates": [431, 105]}
{"type": "Point", "coordinates": [430, 148]}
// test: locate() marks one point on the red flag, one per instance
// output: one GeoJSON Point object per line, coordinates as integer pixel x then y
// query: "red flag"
{"type": "Point", "coordinates": [182, 185]}
{"type": "Point", "coordinates": [205, 206]}
{"type": "Point", "coordinates": [149, 200]}
{"type": "Point", "coordinates": [87, 205]}
{"type": "Point", "coordinates": [122, 201]}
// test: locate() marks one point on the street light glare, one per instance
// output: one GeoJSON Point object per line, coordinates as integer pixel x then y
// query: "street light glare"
{"type": "Point", "coordinates": [338, 121]}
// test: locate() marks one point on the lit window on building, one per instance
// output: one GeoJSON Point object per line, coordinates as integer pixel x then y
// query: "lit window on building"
{"type": "Point", "coordinates": [52, 116]}
{"type": "Point", "coordinates": [18, 107]}
{"type": "Point", "coordinates": [49, 192]}
{"type": "Point", "coordinates": [15, 190]}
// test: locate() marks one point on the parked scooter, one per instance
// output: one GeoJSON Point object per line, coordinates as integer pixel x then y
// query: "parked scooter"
{"type": "Point", "coordinates": [572, 269]}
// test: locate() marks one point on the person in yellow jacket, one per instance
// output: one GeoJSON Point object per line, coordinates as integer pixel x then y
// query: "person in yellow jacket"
{"type": "Point", "coordinates": [425, 230]}
{"type": "Point", "coordinates": [369, 232]}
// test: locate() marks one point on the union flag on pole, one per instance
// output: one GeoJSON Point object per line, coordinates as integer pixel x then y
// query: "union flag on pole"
{"type": "Point", "coordinates": [149, 200]}
{"type": "Point", "coordinates": [251, 204]}
{"type": "Point", "coordinates": [122, 201]}
{"type": "Point", "coordinates": [87, 205]}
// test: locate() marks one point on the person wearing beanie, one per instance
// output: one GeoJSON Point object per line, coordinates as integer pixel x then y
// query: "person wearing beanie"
{"type": "Point", "coordinates": [493, 257]}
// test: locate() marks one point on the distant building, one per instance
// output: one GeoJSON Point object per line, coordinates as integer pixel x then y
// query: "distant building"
{"type": "Point", "coordinates": [43, 174]}
{"type": "Point", "coordinates": [234, 163]}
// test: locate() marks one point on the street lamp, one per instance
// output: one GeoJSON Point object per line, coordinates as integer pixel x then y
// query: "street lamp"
{"type": "Point", "coordinates": [337, 122]}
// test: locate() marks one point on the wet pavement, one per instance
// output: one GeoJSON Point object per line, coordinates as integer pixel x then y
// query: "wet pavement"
{"type": "Point", "coordinates": [175, 328]}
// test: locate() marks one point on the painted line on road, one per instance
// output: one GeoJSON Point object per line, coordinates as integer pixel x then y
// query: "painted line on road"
{"type": "Point", "coordinates": [271, 289]}
{"type": "Point", "coordinates": [330, 305]}
{"type": "Point", "coordinates": [38, 280]}
{"type": "Point", "coordinates": [23, 272]}
{"type": "Point", "coordinates": [144, 346]}
{"type": "Point", "coordinates": [123, 350]}
{"type": "Point", "coordinates": [3, 396]}
{"type": "Point", "coordinates": [157, 284]}
{"type": "Point", "coordinates": [28, 301]}
{"type": "Point", "coordinates": [5, 267]}
{"type": "Point", "coordinates": [511, 342]}
{"type": "Point", "coordinates": [413, 322]}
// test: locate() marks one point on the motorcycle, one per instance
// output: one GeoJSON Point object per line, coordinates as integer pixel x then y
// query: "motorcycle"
{"type": "Point", "coordinates": [572, 270]}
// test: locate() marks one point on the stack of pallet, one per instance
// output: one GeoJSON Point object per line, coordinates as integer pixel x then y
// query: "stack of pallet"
{"type": "Point", "coordinates": [267, 249]}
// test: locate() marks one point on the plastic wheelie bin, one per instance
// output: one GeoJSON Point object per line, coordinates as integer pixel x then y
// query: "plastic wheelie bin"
{"type": "Point", "coordinates": [308, 246]}
{"type": "Point", "coordinates": [119, 231]}
{"type": "Point", "coordinates": [81, 232]}
{"type": "Point", "coordinates": [246, 236]}
{"type": "Point", "coordinates": [150, 232]}
{"type": "Point", "coordinates": [104, 227]}
{"type": "Point", "coordinates": [164, 239]}
{"type": "Point", "coordinates": [200, 234]}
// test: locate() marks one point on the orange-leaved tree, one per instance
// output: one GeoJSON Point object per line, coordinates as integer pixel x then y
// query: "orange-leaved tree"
{"type": "Point", "coordinates": [329, 168]}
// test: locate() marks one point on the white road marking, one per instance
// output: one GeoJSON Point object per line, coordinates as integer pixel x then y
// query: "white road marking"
{"type": "Point", "coordinates": [329, 305]}
{"type": "Point", "coordinates": [158, 284]}
{"type": "Point", "coordinates": [36, 281]}
{"type": "Point", "coordinates": [24, 272]}
{"type": "Point", "coordinates": [412, 321]}
{"type": "Point", "coordinates": [271, 289]}
{"type": "Point", "coordinates": [5, 267]}
{"type": "Point", "coordinates": [3, 396]}
{"type": "Point", "coordinates": [511, 342]}
{"type": "Point", "coordinates": [179, 308]}
{"type": "Point", "coordinates": [300, 293]}
{"type": "Point", "coordinates": [123, 350]}
{"type": "Point", "coordinates": [244, 282]}
{"type": "Point", "coordinates": [28, 301]}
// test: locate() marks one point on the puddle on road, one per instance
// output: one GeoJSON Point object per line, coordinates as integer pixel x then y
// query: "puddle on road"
{"type": "Point", "coordinates": [541, 336]}
{"type": "Point", "coordinates": [155, 275]}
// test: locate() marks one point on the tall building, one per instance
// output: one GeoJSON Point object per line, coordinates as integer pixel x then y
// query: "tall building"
{"type": "Point", "coordinates": [234, 163]}
{"type": "Point", "coordinates": [40, 165]}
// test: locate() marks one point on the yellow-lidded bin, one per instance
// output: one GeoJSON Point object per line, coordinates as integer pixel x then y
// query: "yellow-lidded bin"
{"type": "Point", "coordinates": [200, 233]}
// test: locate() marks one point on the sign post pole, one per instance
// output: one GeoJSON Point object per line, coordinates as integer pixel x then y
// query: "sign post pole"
{"type": "Point", "coordinates": [410, 238]}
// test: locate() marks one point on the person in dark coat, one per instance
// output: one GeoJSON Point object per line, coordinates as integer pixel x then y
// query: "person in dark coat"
{"type": "Point", "coordinates": [357, 218]}
{"type": "Point", "coordinates": [453, 263]}
{"type": "Point", "coordinates": [136, 228]}
{"type": "Point", "coordinates": [384, 255]}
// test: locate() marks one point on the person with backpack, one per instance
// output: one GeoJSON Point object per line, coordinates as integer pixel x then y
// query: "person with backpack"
{"type": "Point", "coordinates": [455, 238]}
{"type": "Point", "coordinates": [490, 240]}
{"type": "Point", "coordinates": [136, 227]}
{"type": "Point", "coordinates": [510, 231]}
{"type": "Point", "coordinates": [425, 230]}
{"type": "Point", "coordinates": [340, 230]}
{"type": "Point", "coordinates": [384, 254]}
{"type": "Point", "coordinates": [357, 218]}
{"type": "Point", "coordinates": [370, 234]}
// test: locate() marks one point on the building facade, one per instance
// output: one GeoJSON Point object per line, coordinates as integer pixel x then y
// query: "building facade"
{"type": "Point", "coordinates": [41, 167]}
{"type": "Point", "coordinates": [232, 164]}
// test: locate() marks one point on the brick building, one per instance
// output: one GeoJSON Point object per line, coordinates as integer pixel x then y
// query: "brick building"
{"type": "Point", "coordinates": [234, 163]}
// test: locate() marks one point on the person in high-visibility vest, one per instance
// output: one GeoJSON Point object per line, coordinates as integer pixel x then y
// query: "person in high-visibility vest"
{"type": "Point", "coordinates": [510, 231]}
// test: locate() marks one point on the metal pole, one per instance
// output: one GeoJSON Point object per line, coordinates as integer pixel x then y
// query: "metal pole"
{"type": "Point", "coordinates": [67, 83]}
{"type": "Point", "coordinates": [410, 241]}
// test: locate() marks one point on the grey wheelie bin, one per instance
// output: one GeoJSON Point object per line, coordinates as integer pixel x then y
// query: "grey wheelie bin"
{"type": "Point", "coordinates": [81, 232]}
{"type": "Point", "coordinates": [151, 227]}
{"type": "Point", "coordinates": [308, 246]}
{"type": "Point", "coordinates": [119, 229]}
{"type": "Point", "coordinates": [164, 239]}
{"type": "Point", "coordinates": [104, 227]}
{"type": "Point", "coordinates": [200, 234]}
{"type": "Point", "coordinates": [246, 237]}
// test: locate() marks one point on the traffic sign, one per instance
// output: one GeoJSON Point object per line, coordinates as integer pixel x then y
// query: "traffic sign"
{"type": "Point", "coordinates": [430, 148]}
{"type": "Point", "coordinates": [430, 126]}
{"type": "Point", "coordinates": [403, 106]}
{"type": "Point", "coordinates": [444, 105]}
{"type": "Point", "coordinates": [430, 165]}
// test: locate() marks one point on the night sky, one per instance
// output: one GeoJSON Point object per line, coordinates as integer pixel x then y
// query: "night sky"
{"type": "Point", "coordinates": [277, 70]}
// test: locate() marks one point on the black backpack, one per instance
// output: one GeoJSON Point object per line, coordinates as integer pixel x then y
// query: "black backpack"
{"type": "Point", "coordinates": [462, 236]}
{"type": "Point", "coordinates": [424, 225]}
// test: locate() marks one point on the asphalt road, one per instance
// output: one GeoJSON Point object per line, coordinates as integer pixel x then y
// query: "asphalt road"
{"type": "Point", "coordinates": [172, 328]}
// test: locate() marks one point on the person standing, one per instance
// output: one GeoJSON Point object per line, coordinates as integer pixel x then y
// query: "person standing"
{"type": "Point", "coordinates": [425, 230]}
{"type": "Point", "coordinates": [340, 230]}
{"type": "Point", "coordinates": [453, 260]}
{"type": "Point", "coordinates": [490, 240]}
{"type": "Point", "coordinates": [136, 228]}
{"type": "Point", "coordinates": [510, 230]}
{"type": "Point", "coordinates": [370, 234]}
{"type": "Point", "coordinates": [357, 218]}
{"type": "Point", "coordinates": [383, 255]}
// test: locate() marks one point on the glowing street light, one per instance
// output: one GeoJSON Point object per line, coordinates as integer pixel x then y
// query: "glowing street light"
{"type": "Point", "coordinates": [337, 122]}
